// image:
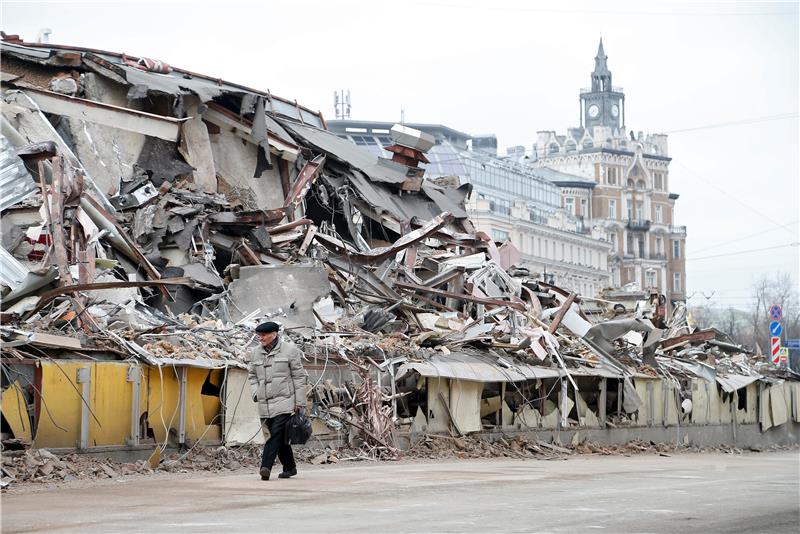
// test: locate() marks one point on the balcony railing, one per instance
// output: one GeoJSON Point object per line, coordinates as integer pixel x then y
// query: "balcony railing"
{"type": "Point", "coordinates": [678, 230]}
{"type": "Point", "coordinates": [637, 225]}
{"type": "Point", "coordinates": [614, 89]}
{"type": "Point", "coordinates": [656, 256]}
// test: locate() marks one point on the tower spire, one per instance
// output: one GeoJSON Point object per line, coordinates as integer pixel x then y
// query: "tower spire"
{"type": "Point", "coordinates": [601, 77]}
{"type": "Point", "coordinates": [600, 65]}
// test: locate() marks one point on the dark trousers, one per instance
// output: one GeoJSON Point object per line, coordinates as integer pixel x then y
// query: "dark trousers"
{"type": "Point", "coordinates": [276, 444]}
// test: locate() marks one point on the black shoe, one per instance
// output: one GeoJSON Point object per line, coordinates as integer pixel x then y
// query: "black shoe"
{"type": "Point", "coordinates": [289, 473]}
{"type": "Point", "coordinates": [264, 472]}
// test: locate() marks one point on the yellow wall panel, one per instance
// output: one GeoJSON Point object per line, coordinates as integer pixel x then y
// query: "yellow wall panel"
{"type": "Point", "coordinates": [111, 403]}
{"type": "Point", "coordinates": [60, 404]}
{"type": "Point", "coordinates": [15, 412]}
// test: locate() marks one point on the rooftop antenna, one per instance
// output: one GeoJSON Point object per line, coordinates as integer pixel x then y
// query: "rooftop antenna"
{"type": "Point", "coordinates": [402, 115]}
{"type": "Point", "coordinates": [341, 103]}
{"type": "Point", "coordinates": [44, 35]}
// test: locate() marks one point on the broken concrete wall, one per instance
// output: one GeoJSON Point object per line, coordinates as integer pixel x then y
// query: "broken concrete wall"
{"type": "Point", "coordinates": [285, 293]}
{"type": "Point", "coordinates": [195, 147]}
{"type": "Point", "coordinates": [235, 164]}
{"type": "Point", "coordinates": [107, 153]}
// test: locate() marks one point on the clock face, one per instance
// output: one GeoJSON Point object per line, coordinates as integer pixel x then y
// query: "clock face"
{"type": "Point", "coordinates": [614, 110]}
{"type": "Point", "coordinates": [594, 111]}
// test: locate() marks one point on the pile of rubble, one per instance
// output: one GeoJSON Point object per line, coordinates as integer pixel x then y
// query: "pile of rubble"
{"type": "Point", "coordinates": [152, 216]}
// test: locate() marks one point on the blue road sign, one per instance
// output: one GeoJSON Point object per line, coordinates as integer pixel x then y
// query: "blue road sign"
{"type": "Point", "coordinates": [792, 344]}
{"type": "Point", "coordinates": [775, 328]}
{"type": "Point", "coordinates": [775, 312]}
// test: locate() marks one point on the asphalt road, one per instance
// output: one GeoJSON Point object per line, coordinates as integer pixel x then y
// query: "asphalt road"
{"type": "Point", "coordinates": [686, 492]}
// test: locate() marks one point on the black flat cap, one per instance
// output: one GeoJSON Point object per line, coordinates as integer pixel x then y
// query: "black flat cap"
{"type": "Point", "coordinates": [269, 326]}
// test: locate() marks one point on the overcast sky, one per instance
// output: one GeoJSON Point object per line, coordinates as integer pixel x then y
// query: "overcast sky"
{"type": "Point", "coordinates": [512, 68]}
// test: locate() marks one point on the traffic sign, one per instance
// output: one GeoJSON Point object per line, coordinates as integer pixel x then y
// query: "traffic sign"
{"type": "Point", "coordinates": [776, 349]}
{"type": "Point", "coordinates": [775, 312]}
{"type": "Point", "coordinates": [792, 343]}
{"type": "Point", "coordinates": [775, 328]}
{"type": "Point", "coordinates": [783, 354]}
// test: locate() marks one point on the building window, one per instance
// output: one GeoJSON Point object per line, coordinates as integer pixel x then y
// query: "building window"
{"type": "Point", "coordinates": [676, 249]}
{"type": "Point", "coordinates": [658, 181]}
{"type": "Point", "coordinates": [629, 209]}
{"type": "Point", "coordinates": [552, 149]}
{"type": "Point", "coordinates": [562, 252]}
{"type": "Point", "coordinates": [611, 175]}
{"type": "Point", "coordinates": [659, 246]}
{"type": "Point", "coordinates": [499, 235]}
{"type": "Point", "coordinates": [584, 208]}
{"type": "Point", "coordinates": [546, 248]}
{"type": "Point", "coordinates": [629, 244]}
{"type": "Point", "coordinates": [659, 214]}
{"type": "Point", "coordinates": [539, 247]}
{"type": "Point", "coordinates": [612, 209]}
{"type": "Point", "coordinates": [676, 282]}
{"type": "Point", "coordinates": [650, 279]}
{"type": "Point", "coordinates": [569, 205]}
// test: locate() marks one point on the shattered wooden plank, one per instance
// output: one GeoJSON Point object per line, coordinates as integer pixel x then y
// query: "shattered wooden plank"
{"type": "Point", "coordinates": [288, 226]}
{"type": "Point", "coordinates": [303, 182]}
{"type": "Point", "coordinates": [247, 254]}
{"type": "Point", "coordinates": [696, 337]}
{"type": "Point", "coordinates": [561, 313]}
{"type": "Point", "coordinates": [56, 215]}
{"type": "Point", "coordinates": [310, 233]}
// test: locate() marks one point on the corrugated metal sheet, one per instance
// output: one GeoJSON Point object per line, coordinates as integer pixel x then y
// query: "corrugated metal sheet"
{"type": "Point", "coordinates": [12, 272]}
{"type": "Point", "coordinates": [731, 383]}
{"type": "Point", "coordinates": [16, 183]}
{"type": "Point", "coordinates": [473, 368]}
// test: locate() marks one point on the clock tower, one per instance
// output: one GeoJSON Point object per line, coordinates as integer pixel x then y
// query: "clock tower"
{"type": "Point", "coordinates": [602, 104]}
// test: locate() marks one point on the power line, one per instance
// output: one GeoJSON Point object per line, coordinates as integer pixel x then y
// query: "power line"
{"type": "Point", "coordinates": [792, 244]}
{"type": "Point", "coordinates": [781, 116]}
{"type": "Point", "coordinates": [584, 11]}
{"type": "Point", "coordinates": [762, 232]}
{"type": "Point", "coordinates": [724, 192]}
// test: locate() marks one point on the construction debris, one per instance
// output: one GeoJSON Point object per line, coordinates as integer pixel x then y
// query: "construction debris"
{"type": "Point", "coordinates": [154, 215]}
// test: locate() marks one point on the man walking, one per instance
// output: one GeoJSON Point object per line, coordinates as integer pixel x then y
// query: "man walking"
{"type": "Point", "coordinates": [278, 384]}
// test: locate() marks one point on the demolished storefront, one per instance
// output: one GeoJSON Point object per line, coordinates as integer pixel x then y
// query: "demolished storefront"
{"type": "Point", "coordinates": [151, 216]}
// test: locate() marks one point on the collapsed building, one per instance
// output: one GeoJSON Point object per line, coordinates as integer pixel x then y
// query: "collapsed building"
{"type": "Point", "coordinates": [152, 216]}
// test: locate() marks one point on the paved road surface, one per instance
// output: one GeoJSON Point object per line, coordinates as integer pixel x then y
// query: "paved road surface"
{"type": "Point", "coordinates": [682, 493]}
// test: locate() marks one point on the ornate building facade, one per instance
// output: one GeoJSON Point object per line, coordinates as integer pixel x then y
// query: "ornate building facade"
{"type": "Point", "coordinates": [626, 188]}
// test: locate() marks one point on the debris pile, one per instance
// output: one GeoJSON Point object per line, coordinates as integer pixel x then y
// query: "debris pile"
{"type": "Point", "coordinates": [152, 216]}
